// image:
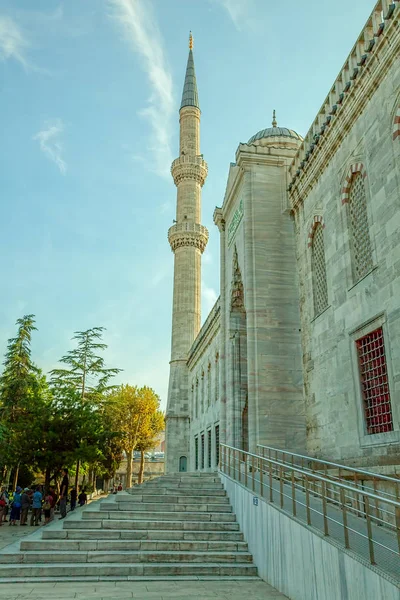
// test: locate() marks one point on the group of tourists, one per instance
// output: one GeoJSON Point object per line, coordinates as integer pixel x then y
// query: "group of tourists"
{"type": "Point", "coordinates": [41, 503]}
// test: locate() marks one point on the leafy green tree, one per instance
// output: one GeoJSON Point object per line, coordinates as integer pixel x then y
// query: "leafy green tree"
{"type": "Point", "coordinates": [24, 395]}
{"type": "Point", "coordinates": [84, 381]}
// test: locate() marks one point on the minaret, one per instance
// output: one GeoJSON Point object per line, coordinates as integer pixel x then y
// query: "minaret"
{"type": "Point", "coordinates": [188, 240]}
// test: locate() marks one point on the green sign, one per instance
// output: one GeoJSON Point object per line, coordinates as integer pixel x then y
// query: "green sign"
{"type": "Point", "coordinates": [234, 224]}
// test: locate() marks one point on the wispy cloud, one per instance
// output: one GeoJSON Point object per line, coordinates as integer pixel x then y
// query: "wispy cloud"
{"type": "Point", "coordinates": [140, 29]}
{"type": "Point", "coordinates": [13, 43]}
{"type": "Point", "coordinates": [50, 143]}
{"type": "Point", "coordinates": [239, 11]}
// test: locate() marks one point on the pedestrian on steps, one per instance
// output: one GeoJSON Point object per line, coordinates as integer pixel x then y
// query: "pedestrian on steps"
{"type": "Point", "coordinates": [25, 504]}
{"type": "Point", "coordinates": [36, 507]}
{"type": "Point", "coordinates": [64, 494]}
{"type": "Point", "coordinates": [16, 506]}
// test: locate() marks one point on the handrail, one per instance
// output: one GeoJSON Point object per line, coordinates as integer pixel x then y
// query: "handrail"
{"type": "Point", "coordinates": [318, 477]}
{"type": "Point", "coordinates": [332, 464]}
{"type": "Point", "coordinates": [345, 510]}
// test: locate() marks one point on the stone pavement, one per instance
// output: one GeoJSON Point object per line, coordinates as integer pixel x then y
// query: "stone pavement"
{"type": "Point", "coordinates": [142, 590]}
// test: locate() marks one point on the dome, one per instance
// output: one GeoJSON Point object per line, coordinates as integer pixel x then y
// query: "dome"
{"type": "Point", "coordinates": [274, 131]}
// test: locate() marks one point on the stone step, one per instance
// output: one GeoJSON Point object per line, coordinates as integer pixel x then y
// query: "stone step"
{"type": "Point", "coordinates": [126, 515]}
{"type": "Point", "coordinates": [73, 571]}
{"type": "Point", "coordinates": [83, 545]}
{"type": "Point", "coordinates": [168, 498]}
{"type": "Point", "coordinates": [194, 525]}
{"type": "Point", "coordinates": [162, 506]}
{"type": "Point", "coordinates": [173, 491]}
{"type": "Point", "coordinates": [122, 557]}
{"type": "Point", "coordinates": [142, 534]}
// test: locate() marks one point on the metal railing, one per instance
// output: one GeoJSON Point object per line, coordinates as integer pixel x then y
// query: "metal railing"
{"type": "Point", "coordinates": [385, 485]}
{"type": "Point", "coordinates": [360, 519]}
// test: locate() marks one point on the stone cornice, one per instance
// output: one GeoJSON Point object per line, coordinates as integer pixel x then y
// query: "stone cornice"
{"type": "Point", "coordinates": [205, 336]}
{"type": "Point", "coordinates": [188, 234]}
{"type": "Point", "coordinates": [189, 167]}
{"type": "Point", "coordinates": [363, 79]}
{"type": "Point", "coordinates": [219, 219]}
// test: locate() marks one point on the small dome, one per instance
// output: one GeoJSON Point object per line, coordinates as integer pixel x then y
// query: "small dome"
{"type": "Point", "coordinates": [275, 132]}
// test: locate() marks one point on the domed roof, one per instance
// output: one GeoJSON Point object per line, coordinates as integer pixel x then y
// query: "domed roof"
{"type": "Point", "coordinates": [274, 131]}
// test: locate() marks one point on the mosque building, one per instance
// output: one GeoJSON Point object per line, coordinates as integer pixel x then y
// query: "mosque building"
{"type": "Point", "coordinates": [302, 348]}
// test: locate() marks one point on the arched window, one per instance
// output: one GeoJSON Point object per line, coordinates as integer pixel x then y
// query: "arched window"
{"type": "Point", "coordinates": [359, 228]}
{"type": "Point", "coordinates": [320, 287]}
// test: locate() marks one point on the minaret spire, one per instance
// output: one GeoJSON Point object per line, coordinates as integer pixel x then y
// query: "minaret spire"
{"type": "Point", "coordinates": [188, 239]}
{"type": "Point", "coordinates": [190, 96]}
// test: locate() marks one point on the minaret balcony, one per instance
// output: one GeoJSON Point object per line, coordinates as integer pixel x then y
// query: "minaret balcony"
{"type": "Point", "coordinates": [189, 167]}
{"type": "Point", "coordinates": [188, 234]}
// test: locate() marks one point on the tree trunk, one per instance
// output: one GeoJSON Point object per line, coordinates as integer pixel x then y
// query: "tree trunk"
{"type": "Point", "coordinates": [47, 479]}
{"type": "Point", "coordinates": [141, 468]}
{"type": "Point", "coordinates": [129, 455]}
{"type": "Point", "coordinates": [15, 478]}
{"type": "Point", "coordinates": [106, 485]}
{"type": "Point", "coordinates": [77, 473]}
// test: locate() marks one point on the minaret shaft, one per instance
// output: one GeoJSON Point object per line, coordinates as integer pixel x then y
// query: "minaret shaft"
{"type": "Point", "coordinates": [188, 239]}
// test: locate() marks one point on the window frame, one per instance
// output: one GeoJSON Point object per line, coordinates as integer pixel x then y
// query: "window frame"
{"type": "Point", "coordinates": [373, 439]}
{"type": "Point", "coordinates": [318, 222]}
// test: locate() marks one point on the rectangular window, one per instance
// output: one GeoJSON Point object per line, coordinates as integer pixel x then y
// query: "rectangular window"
{"type": "Point", "coordinates": [196, 453]}
{"type": "Point", "coordinates": [202, 451]}
{"type": "Point", "coordinates": [374, 382]}
{"type": "Point", "coordinates": [209, 448]}
{"type": "Point", "coordinates": [216, 445]}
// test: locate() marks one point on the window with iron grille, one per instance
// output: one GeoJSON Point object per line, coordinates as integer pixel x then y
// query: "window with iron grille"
{"type": "Point", "coordinates": [202, 451]}
{"type": "Point", "coordinates": [320, 287]}
{"type": "Point", "coordinates": [374, 382]}
{"type": "Point", "coordinates": [196, 453]}
{"type": "Point", "coordinates": [216, 445]}
{"type": "Point", "coordinates": [358, 219]}
{"type": "Point", "coordinates": [209, 448]}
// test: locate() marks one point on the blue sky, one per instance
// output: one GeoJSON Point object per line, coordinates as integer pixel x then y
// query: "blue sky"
{"type": "Point", "coordinates": [89, 96]}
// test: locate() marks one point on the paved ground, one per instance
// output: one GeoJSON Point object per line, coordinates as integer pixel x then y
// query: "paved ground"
{"type": "Point", "coordinates": [142, 590]}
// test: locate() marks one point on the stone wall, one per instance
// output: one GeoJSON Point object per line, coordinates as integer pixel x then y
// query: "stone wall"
{"type": "Point", "coordinates": [360, 139]}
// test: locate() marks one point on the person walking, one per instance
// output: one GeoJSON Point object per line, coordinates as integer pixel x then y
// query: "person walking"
{"type": "Point", "coordinates": [73, 495]}
{"type": "Point", "coordinates": [25, 504]}
{"type": "Point", "coordinates": [16, 506]}
{"type": "Point", "coordinates": [3, 505]}
{"type": "Point", "coordinates": [47, 506]}
{"type": "Point", "coordinates": [53, 496]}
{"type": "Point", "coordinates": [64, 494]}
{"type": "Point", "coordinates": [36, 507]}
{"type": "Point", "coordinates": [82, 499]}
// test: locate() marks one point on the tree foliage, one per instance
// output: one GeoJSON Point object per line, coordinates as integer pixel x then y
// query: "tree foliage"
{"type": "Point", "coordinates": [135, 409]}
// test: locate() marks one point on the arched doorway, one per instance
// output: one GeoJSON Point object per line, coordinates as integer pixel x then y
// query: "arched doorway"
{"type": "Point", "coordinates": [182, 464]}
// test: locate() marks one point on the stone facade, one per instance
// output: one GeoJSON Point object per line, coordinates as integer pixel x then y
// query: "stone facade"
{"type": "Point", "coordinates": [304, 341]}
{"type": "Point", "coordinates": [355, 146]}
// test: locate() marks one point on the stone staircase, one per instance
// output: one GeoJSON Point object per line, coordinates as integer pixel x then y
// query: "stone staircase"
{"type": "Point", "coordinates": [175, 526]}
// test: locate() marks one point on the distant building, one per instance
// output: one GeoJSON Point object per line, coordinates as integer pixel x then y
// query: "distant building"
{"type": "Point", "coordinates": [302, 349]}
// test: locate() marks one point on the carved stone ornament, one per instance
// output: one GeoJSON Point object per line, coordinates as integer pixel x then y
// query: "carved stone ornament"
{"type": "Point", "coordinates": [237, 294]}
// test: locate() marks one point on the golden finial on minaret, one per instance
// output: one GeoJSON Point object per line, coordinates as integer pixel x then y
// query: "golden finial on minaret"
{"type": "Point", "coordinates": [274, 123]}
{"type": "Point", "coordinates": [190, 41]}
